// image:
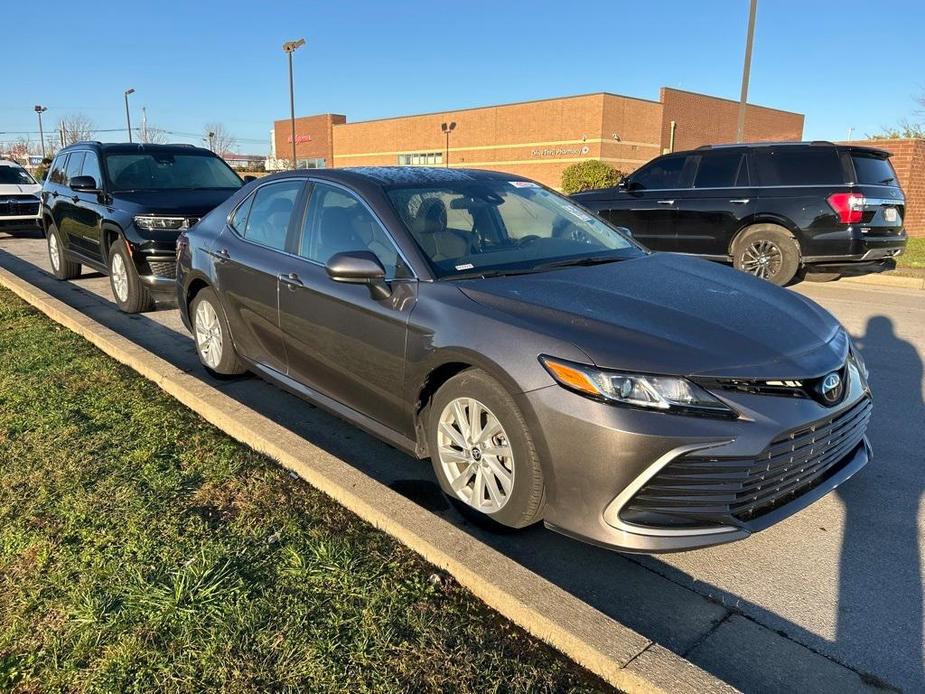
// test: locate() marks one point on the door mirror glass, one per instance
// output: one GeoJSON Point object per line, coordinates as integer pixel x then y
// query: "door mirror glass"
{"type": "Point", "coordinates": [359, 267]}
{"type": "Point", "coordinates": [85, 184]}
{"type": "Point", "coordinates": [249, 178]}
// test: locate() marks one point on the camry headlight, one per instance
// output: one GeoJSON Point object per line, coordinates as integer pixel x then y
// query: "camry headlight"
{"type": "Point", "coordinates": [155, 223]}
{"type": "Point", "coordinates": [854, 354]}
{"type": "Point", "coordinates": [649, 391]}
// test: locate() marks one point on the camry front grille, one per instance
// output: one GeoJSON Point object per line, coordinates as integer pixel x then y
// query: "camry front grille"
{"type": "Point", "coordinates": [803, 388]}
{"type": "Point", "coordinates": [695, 490]}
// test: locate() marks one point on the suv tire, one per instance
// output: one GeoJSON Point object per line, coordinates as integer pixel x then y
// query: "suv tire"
{"type": "Point", "coordinates": [61, 267]}
{"type": "Point", "coordinates": [130, 294]}
{"type": "Point", "coordinates": [767, 251]}
{"type": "Point", "coordinates": [214, 346]}
{"type": "Point", "coordinates": [510, 487]}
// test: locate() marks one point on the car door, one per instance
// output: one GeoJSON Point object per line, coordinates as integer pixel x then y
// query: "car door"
{"type": "Point", "coordinates": [247, 258]}
{"type": "Point", "coordinates": [66, 206]}
{"type": "Point", "coordinates": [340, 340]}
{"type": "Point", "coordinates": [647, 207]}
{"type": "Point", "coordinates": [53, 187]}
{"type": "Point", "coordinates": [717, 204]}
{"type": "Point", "coordinates": [87, 210]}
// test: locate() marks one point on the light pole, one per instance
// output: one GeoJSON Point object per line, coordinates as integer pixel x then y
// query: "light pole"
{"type": "Point", "coordinates": [128, 119]}
{"type": "Point", "coordinates": [290, 47]}
{"type": "Point", "coordinates": [447, 128]}
{"type": "Point", "coordinates": [40, 110]}
{"type": "Point", "coordinates": [746, 70]}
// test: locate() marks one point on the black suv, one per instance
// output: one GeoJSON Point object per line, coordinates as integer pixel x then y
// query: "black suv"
{"type": "Point", "coordinates": [778, 210]}
{"type": "Point", "coordinates": [119, 208]}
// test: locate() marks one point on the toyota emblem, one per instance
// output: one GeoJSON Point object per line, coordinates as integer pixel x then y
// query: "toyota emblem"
{"type": "Point", "coordinates": [832, 388]}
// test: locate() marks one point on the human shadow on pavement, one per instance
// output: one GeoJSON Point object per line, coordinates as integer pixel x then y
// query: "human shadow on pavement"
{"type": "Point", "coordinates": [880, 579]}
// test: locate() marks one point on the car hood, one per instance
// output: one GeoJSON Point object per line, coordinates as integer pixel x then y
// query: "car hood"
{"type": "Point", "coordinates": [18, 189]}
{"type": "Point", "coordinates": [182, 203]}
{"type": "Point", "coordinates": [670, 314]}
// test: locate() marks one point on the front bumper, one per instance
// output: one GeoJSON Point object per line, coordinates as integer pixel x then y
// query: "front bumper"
{"type": "Point", "coordinates": [21, 223]}
{"type": "Point", "coordinates": [599, 456]}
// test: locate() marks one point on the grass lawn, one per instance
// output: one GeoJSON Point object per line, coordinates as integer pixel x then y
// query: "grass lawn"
{"type": "Point", "coordinates": [914, 255]}
{"type": "Point", "coordinates": [141, 549]}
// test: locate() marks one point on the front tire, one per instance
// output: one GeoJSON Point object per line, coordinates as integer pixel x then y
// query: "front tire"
{"type": "Point", "coordinates": [130, 294]}
{"type": "Point", "coordinates": [61, 267]}
{"type": "Point", "coordinates": [213, 338]}
{"type": "Point", "coordinates": [482, 452]}
{"type": "Point", "coordinates": [767, 251]}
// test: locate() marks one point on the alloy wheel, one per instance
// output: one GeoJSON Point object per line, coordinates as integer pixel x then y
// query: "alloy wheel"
{"type": "Point", "coordinates": [475, 455]}
{"type": "Point", "coordinates": [762, 258]}
{"type": "Point", "coordinates": [54, 253]}
{"type": "Point", "coordinates": [208, 334]}
{"type": "Point", "coordinates": [119, 276]}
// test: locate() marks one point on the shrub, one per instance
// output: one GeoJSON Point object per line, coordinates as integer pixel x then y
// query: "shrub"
{"type": "Point", "coordinates": [588, 175]}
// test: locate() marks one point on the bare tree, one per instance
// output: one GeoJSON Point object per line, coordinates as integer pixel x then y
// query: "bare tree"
{"type": "Point", "coordinates": [20, 149]}
{"type": "Point", "coordinates": [75, 127]}
{"type": "Point", "coordinates": [219, 139]}
{"type": "Point", "coordinates": [152, 135]}
{"type": "Point", "coordinates": [906, 128]}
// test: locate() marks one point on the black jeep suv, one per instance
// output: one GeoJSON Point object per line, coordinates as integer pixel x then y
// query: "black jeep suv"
{"type": "Point", "coordinates": [777, 210]}
{"type": "Point", "coordinates": [119, 208]}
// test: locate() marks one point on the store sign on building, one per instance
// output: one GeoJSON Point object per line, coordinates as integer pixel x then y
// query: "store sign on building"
{"type": "Point", "coordinates": [560, 151]}
{"type": "Point", "coordinates": [300, 138]}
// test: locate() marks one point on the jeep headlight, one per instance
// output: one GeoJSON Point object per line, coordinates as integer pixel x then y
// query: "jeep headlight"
{"type": "Point", "coordinates": [157, 223]}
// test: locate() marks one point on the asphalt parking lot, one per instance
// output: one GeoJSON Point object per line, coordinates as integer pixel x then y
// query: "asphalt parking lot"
{"type": "Point", "coordinates": [843, 578]}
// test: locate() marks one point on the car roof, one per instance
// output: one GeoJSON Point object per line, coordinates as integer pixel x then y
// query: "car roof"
{"type": "Point", "coordinates": [131, 147]}
{"type": "Point", "coordinates": [10, 162]}
{"type": "Point", "coordinates": [392, 176]}
{"type": "Point", "coordinates": [788, 143]}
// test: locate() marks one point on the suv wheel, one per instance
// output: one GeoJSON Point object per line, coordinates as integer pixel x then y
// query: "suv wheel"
{"type": "Point", "coordinates": [61, 267]}
{"type": "Point", "coordinates": [767, 251]}
{"type": "Point", "coordinates": [130, 294]}
{"type": "Point", "coordinates": [213, 339]}
{"type": "Point", "coordinates": [482, 452]}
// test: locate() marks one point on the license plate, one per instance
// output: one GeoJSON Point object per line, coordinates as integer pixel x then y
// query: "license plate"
{"type": "Point", "coordinates": [890, 214]}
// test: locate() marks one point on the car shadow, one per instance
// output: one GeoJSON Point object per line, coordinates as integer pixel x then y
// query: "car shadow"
{"type": "Point", "coordinates": [659, 601]}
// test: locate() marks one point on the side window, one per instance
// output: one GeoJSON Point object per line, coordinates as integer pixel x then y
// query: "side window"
{"type": "Point", "coordinates": [661, 173]}
{"type": "Point", "coordinates": [720, 170]}
{"type": "Point", "coordinates": [338, 222]}
{"type": "Point", "coordinates": [798, 166]}
{"type": "Point", "coordinates": [270, 212]}
{"type": "Point", "coordinates": [57, 169]}
{"type": "Point", "coordinates": [91, 167]}
{"type": "Point", "coordinates": [74, 162]}
{"type": "Point", "coordinates": [238, 220]}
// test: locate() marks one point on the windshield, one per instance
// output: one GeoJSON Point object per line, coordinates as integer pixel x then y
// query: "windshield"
{"type": "Point", "coordinates": [15, 175]}
{"type": "Point", "coordinates": [496, 227]}
{"type": "Point", "coordinates": [169, 171]}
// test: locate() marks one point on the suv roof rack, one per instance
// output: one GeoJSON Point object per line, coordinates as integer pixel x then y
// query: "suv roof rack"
{"type": "Point", "coordinates": [767, 144]}
{"type": "Point", "coordinates": [85, 142]}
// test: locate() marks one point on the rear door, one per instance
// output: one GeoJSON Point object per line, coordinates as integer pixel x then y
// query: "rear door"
{"type": "Point", "coordinates": [719, 202]}
{"type": "Point", "coordinates": [648, 205]}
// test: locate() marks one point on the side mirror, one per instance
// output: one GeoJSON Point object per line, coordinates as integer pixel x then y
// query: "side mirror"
{"type": "Point", "coordinates": [359, 267]}
{"type": "Point", "coordinates": [249, 178]}
{"type": "Point", "coordinates": [84, 184]}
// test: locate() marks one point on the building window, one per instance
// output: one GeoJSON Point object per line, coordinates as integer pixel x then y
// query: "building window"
{"type": "Point", "coordinates": [421, 159]}
{"type": "Point", "coordinates": [315, 163]}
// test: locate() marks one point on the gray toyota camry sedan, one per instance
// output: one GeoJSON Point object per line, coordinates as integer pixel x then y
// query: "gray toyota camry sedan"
{"type": "Point", "coordinates": [550, 367]}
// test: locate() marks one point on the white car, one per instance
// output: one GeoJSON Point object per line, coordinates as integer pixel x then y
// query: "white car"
{"type": "Point", "coordinates": [19, 199]}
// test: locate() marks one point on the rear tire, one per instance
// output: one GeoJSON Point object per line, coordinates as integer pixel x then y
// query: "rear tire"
{"type": "Point", "coordinates": [767, 251]}
{"type": "Point", "coordinates": [214, 346]}
{"type": "Point", "coordinates": [493, 475]}
{"type": "Point", "coordinates": [130, 294]}
{"type": "Point", "coordinates": [61, 267]}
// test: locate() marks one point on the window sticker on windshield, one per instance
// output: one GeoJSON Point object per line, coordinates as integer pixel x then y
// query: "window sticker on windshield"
{"type": "Point", "coordinates": [575, 212]}
{"type": "Point", "coordinates": [464, 266]}
{"type": "Point", "coordinates": [524, 184]}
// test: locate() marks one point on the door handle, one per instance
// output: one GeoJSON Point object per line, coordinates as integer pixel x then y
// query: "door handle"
{"type": "Point", "coordinates": [222, 255]}
{"type": "Point", "coordinates": [291, 280]}
{"type": "Point", "coordinates": [54, 193]}
{"type": "Point", "coordinates": [740, 201]}
{"type": "Point", "coordinates": [665, 202]}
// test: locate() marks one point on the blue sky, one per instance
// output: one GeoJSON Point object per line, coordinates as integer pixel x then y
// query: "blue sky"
{"type": "Point", "coordinates": [197, 61]}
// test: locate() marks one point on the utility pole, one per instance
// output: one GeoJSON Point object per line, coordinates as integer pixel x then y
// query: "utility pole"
{"type": "Point", "coordinates": [128, 119]}
{"type": "Point", "coordinates": [40, 110]}
{"type": "Point", "coordinates": [291, 47]}
{"type": "Point", "coordinates": [447, 128]}
{"type": "Point", "coordinates": [144, 124]}
{"type": "Point", "coordinates": [746, 70]}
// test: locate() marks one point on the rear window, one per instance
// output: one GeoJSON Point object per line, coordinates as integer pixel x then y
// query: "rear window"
{"type": "Point", "coordinates": [873, 170]}
{"type": "Point", "coordinates": [721, 170]}
{"type": "Point", "coordinates": [798, 166]}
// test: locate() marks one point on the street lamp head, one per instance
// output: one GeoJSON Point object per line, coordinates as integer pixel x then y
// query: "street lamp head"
{"type": "Point", "coordinates": [448, 127]}
{"type": "Point", "coordinates": [40, 109]}
{"type": "Point", "coordinates": [129, 91]}
{"type": "Point", "coordinates": [291, 46]}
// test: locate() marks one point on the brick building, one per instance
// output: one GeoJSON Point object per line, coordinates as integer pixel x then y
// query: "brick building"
{"type": "Point", "coordinates": [909, 161]}
{"type": "Point", "coordinates": [537, 139]}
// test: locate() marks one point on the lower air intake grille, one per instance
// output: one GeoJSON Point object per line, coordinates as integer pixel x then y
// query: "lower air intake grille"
{"type": "Point", "coordinates": [700, 490]}
{"type": "Point", "coordinates": [163, 268]}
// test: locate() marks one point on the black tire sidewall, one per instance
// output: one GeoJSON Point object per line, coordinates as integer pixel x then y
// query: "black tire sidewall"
{"type": "Point", "coordinates": [780, 237]}
{"type": "Point", "coordinates": [229, 364]}
{"type": "Point", "coordinates": [67, 269]}
{"type": "Point", "coordinates": [524, 506]}
{"type": "Point", "coordinates": [139, 298]}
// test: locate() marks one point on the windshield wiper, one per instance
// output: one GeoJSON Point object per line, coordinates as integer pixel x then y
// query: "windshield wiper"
{"type": "Point", "coordinates": [479, 274]}
{"type": "Point", "coordinates": [887, 180]}
{"type": "Point", "coordinates": [572, 262]}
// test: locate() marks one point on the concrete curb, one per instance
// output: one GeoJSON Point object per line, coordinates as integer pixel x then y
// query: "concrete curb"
{"type": "Point", "coordinates": [893, 281]}
{"type": "Point", "coordinates": [614, 652]}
